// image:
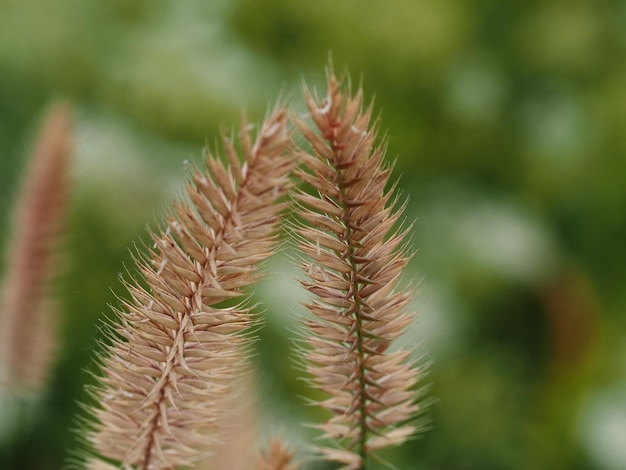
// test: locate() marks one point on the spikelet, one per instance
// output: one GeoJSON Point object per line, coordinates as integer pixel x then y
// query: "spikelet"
{"type": "Point", "coordinates": [28, 307]}
{"type": "Point", "coordinates": [353, 257]}
{"type": "Point", "coordinates": [277, 457]}
{"type": "Point", "coordinates": [178, 349]}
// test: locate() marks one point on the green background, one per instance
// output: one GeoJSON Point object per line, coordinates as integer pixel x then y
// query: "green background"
{"type": "Point", "coordinates": [508, 123]}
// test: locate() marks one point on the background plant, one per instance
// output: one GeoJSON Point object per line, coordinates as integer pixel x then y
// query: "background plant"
{"type": "Point", "coordinates": [507, 122]}
{"type": "Point", "coordinates": [28, 301]}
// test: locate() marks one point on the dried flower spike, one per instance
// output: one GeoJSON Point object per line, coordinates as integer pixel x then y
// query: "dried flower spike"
{"type": "Point", "coordinates": [353, 259]}
{"type": "Point", "coordinates": [28, 308]}
{"type": "Point", "coordinates": [178, 351]}
{"type": "Point", "coordinates": [236, 432]}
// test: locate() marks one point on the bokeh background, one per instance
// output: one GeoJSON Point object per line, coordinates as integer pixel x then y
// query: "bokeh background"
{"type": "Point", "coordinates": [508, 123]}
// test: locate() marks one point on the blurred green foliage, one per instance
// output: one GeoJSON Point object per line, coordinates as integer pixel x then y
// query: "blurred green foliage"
{"type": "Point", "coordinates": [507, 120]}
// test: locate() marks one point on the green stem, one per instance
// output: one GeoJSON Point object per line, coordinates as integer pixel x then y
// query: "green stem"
{"type": "Point", "coordinates": [359, 323]}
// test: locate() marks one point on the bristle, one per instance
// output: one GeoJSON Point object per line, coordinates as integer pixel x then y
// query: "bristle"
{"type": "Point", "coordinates": [28, 308]}
{"type": "Point", "coordinates": [356, 256]}
{"type": "Point", "coordinates": [178, 352]}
